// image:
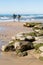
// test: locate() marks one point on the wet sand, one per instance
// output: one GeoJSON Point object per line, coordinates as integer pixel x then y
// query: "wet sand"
{"type": "Point", "coordinates": [7, 30]}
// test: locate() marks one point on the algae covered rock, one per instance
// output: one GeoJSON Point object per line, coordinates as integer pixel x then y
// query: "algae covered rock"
{"type": "Point", "coordinates": [41, 33]}
{"type": "Point", "coordinates": [27, 24]}
{"type": "Point", "coordinates": [21, 54]}
{"type": "Point", "coordinates": [39, 38]}
{"type": "Point", "coordinates": [31, 24]}
{"type": "Point", "coordinates": [23, 46]}
{"type": "Point", "coordinates": [7, 48]}
{"type": "Point", "coordinates": [11, 42]}
{"type": "Point", "coordinates": [17, 44]}
{"type": "Point", "coordinates": [20, 36]}
{"type": "Point", "coordinates": [38, 32]}
{"type": "Point", "coordinates": [32, 34]}
{"type": "Point", "coordinates": [41, 48]}
{"type": "Point", "coordinates": [30, 38]}
{"type": "Point", "coordinates": [39, 26]}
{"type": "Point", "coordinates": [37, 46]}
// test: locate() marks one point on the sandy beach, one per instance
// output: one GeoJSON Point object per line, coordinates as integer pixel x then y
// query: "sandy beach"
{"type": "Point", "coordinates": [7, 30]}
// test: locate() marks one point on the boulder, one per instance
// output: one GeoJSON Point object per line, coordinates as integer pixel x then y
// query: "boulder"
{"type": "Point", "coordinates": [23, 46]}
{"type": "Point", "coordinates": [30, 38]}
{"type": "Point", "coordinates": [39, 26]}
{"type": "Point", "coordinates": [7, 48]}
{"type": "Point", "coordinates": [17, 44]}
{"type": "Point", "coordinates": [37, 45]}
{"type": "Point", "coordinates": [32, 34]}
{"type": "Point", "coordinates": [3, 47]}
{"type": "Point", "coordinates": [11, 42]}
{"type": "Point", "coordinates": [41, 33]}
{"type": "Point", "coordinates": [22, 54]}
{"type": "Point", "coordinates": [38, 32]}
{"type": "Point", "coordinates": [39, 38]}
{"type": "Point", "coordinates": [41, 48]}
{"type": "Point", "coordinates": [20, 36]}
{"type": "Point", "coordinates": [26, 24]}
{"type": "Point", "coordinates": [31, 24]}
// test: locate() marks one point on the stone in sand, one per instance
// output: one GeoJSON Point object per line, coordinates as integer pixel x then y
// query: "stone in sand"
{"type": "Point", "coordinates": [39, 26]}
{"type": "Point", "coordinates": [23, 45]}
{"type": "Point", "coordinates": [30, 38]}
{"type": "Point", "coordinates": [41, 48]}
{"type": "Point", "coordinates": [20, 36]}
{"type": "Point", "coordinates": [21, 54]}
{"type": "Point", "coordinates": [7, 48]}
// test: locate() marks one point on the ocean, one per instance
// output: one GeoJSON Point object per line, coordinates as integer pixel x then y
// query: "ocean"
{"type": "Point", "coordinates": [23, 18]}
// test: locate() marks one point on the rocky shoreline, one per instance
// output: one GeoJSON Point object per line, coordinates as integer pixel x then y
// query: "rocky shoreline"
{"type": "Point", "coordinates": [22, 41]}
{"type": "Point", "coordinates": [27, 41]}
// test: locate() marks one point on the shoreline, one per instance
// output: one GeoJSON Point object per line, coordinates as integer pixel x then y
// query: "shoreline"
{"type": "Point", "coordinates": [32, 20]}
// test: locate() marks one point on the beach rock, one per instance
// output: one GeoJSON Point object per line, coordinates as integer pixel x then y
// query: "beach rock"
{"type": "Point", "coordinates": [26, 24]}
{"type": "Point", "coordinates": [41, 33]}
{"type": "Point", "coordinates": [17, 44]}
{"type": "Point", "coordinates": [20, 36]}
{"type": "Point", "coordinates": [39, 26]}
{"type": "Point", "coordinates": [31, 24]}
{"type": "Point", "coordinates": [12, 48]}
{"type": "Point", "coordinates": [11, 42]}
{"type": "Point", "coordinates": [37, 46]}
{"type": "Point", "coordinates": [32, 34]}
{"type": "Point", "coordinates": [26, 45]}
{"type": "Point", "coordinates": [23, 46]}
{"type": "Point", "coordinates": [36, 30]}
{"type": "Point", "coordinates": [22, 54]}
{"type": "Point", "coordinates": [38, 43]}
{"type": "Point", "coordinates": [41, 48]}
{"type": "Point", "coordinates": [30, 38]}
{"type": "Point", "coordinates": [7, 48]}
{"type": "Point", "coordinates": [3, 47]}
{"type": "Point", "coordinates": [39, 38]}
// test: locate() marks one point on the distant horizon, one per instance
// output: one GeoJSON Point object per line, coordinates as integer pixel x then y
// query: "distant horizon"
{"type": "Point", "coordinates": [21, 14]}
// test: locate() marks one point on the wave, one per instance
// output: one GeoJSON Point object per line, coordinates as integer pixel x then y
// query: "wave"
{"type": "Point", "coordinates": [24, 17]}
